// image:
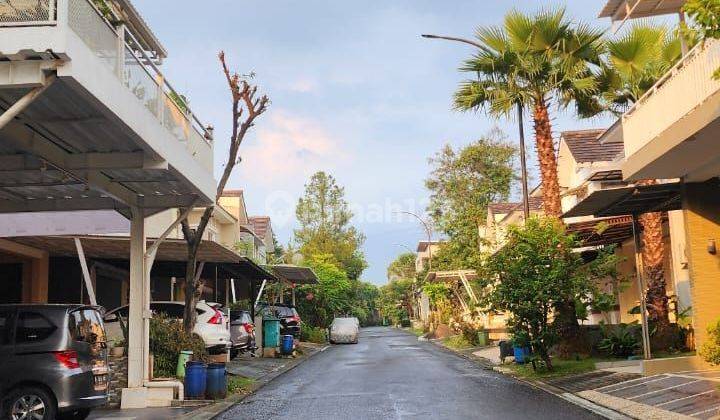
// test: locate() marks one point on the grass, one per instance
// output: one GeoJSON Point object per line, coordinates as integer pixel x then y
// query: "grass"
{"type": "Point", "coordinates": [417, 331]}
{"type": "Point", "coordinates": [561, 368]}
{"type": "Point", "coordinates": [457, 342]}
{"type": "Point", "coordinates": [239, 384]}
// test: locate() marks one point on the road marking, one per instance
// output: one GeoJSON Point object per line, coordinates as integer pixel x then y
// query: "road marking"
{"type": "Point", "coordinates": [665, 389]}
{"type": "Point", "coordinates": [685, 398]}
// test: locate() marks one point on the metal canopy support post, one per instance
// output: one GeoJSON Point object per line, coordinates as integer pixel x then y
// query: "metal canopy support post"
{"type": "Point", "coordinates": [22, 103]}
{"type": "Point", "coordinates": [232, 289]}
{"type": "Point", "coordinates": [641, 288]}
{"type": "Point", "coordinates": [86, 273]}
{"type": "Point", "coordinates": [260, 292]}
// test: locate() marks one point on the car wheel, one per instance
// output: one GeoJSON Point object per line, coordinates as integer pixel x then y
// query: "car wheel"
{"type": "Point", "coordinates": [29, 403]}
{"type": "Point", "coordinates": [81, 414]}
{"type": "Point", "coordinates": [234, 353]}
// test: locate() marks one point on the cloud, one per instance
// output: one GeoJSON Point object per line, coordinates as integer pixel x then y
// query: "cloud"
{"type": "Point", "coordinates": [302, 85]}
{"type": "Point", "coordinates": [287, 149]}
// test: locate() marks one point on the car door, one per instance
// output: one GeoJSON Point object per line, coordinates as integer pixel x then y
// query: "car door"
{"type": "Point", "coordinates": [7, 318]}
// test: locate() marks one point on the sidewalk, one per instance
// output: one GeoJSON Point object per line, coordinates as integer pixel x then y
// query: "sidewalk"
{"type": "Point", "coordinates": [261, 370]}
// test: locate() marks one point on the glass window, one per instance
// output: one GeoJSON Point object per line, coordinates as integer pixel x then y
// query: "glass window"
{"type": "Point", "coordinates": [33, 327]}
{"type": "Point", "coordinates": [86, 325]}
{"type": "Point", "coordinates": [5, 325]}
{"type": "Point", "coordinates": [172, 310]}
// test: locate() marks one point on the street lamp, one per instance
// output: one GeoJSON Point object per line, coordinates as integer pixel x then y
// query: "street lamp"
{"type": "Point", "coordinates": [523, 164]}
{"type": "Point", "coordinates": [427, 231]}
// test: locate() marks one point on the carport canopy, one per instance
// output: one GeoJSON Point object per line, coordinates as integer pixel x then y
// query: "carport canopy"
{"type": "Point", "coordinates": [294, 274]}
{"type": "Point", "coordinates": [625, 201]}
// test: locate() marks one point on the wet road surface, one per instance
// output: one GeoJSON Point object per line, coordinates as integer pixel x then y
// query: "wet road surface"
{"type": "Point", "coordinates": [390, 375]}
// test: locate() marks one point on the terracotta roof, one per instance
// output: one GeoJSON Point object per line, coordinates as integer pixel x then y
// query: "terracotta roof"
{"type": "Point", "coordinates": [508, 207]}
{"type": "Point", "coordinates": [232, 193]}
{"type": "Point", "coordinates": [585, 146]}
{"type": "Point", "coordinates": [260, 225]}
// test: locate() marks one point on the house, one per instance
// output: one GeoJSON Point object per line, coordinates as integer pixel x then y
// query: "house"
{"type": "Point", "coordinates": [424, 252]}
{"type": "Point", "coordinates": [501, 215]}
{"type": "Point", "coordinates": [262, 227]}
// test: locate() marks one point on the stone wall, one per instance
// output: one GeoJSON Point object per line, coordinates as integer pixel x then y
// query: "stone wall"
{"type": "Point", "coordinates": [118, 367]}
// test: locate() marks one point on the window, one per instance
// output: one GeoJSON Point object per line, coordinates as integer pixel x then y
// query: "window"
{"type": "Point", "coordinates": [5, 325]}
{"type": "Point", "coordinates": [85, 325]}
{"type": "Point", "coordinates": [33, 327]}
{"type": "Point", "coordinates": [172, 310]}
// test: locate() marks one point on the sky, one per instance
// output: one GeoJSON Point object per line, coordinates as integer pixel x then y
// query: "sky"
{"type": "Point", "coordinates": [355, 92]}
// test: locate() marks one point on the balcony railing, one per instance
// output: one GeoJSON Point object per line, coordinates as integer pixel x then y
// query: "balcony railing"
{"type": "Point", "coordinates": [119, 51]}
{"type": "Point", "coordinates": [686, 86]}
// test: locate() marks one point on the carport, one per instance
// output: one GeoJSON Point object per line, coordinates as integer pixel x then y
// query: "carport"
{"type": "Point", "coordinates": [632, 201]}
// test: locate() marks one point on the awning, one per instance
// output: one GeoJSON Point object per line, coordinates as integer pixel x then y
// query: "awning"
{"type": "Point", "coordinates": [607, 231]}
{"type": "Point", "coordinates": [631, 9]}
{"type": "Point", "coordinates": [294, 274]}
{"type": "Point", "coordinates": [628, 201]}
{"type": "Point", "coordinates": [170, 259]}
{"type": "Point", "coordinates": [449, 276]}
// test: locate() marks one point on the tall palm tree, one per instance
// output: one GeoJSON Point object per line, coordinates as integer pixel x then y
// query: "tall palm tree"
{"type": "Point", "coordinates": [635, 61]}
{"type": "Point", "coordinates": [535, 61]}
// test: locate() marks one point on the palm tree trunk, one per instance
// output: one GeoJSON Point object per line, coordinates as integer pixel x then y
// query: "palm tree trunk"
{"type": "Point", "coordinates": [546, 156]}
{"type": "Point", "coordinates": [565, 316]}
{"type": "Point", "coordinates": [653, 256]}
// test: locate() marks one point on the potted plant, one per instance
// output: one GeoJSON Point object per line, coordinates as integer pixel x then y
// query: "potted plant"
{"type": "Point", "coordinates": [118, 348]}
{"type": "Point", "coordinates": [521, 346]}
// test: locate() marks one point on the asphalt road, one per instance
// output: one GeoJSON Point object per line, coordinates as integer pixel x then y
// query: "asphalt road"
{"type": "Point", "coordinates": [390, 375]}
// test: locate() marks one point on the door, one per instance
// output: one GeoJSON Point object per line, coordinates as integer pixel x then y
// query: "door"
{"type": "Point", "coordinates": [11, 283]}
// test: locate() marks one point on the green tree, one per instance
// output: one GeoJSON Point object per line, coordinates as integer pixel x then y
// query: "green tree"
{"type": "Point", "coordinates": [324, 218]}
{"type": "Point", "coordinates": [395, 301]}
{"type": "Point", "coordinates": [462, 184]}
{"type": "Point", "coordinates": [403, 267]}
{"type": "Point", "coordinates": [534, 61]}
{"type": "Point", "coordinates": [332, 296]}
{"type": "Point", "coordinates": [535, 271]}
{"type": "Point", "coordinates": [705, 15]}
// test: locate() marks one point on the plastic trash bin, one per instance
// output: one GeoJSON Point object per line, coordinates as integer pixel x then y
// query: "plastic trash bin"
{"type": "Point", "coordinates": [216, 381]}
{"type": "Point", "coordinates": [271, 332]}
{"type": "Point", "coordinates": [287, 344]}
{"type": "Point", "coordinates": [183, 358]}
{"type": "Point", "coordinates": [195, 380]}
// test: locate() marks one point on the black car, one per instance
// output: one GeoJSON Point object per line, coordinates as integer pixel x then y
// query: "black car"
{"type": "Point", "coordinates": [53, 361]}
{"type": "Point", "coordinates": [288, 316]}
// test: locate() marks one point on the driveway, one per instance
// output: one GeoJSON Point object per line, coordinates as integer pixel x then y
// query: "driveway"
{"type": "Point", "coordinates": [390, 375]}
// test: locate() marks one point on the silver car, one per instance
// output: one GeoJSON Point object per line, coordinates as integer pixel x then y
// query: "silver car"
{"type": "Point", "coordinates": [344, 331]}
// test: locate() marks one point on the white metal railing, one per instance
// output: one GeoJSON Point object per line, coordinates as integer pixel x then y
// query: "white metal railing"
{"type": "Point", "coordinates": [684, 87]}
{"type": "Point", "coordinates": [122, 54]}
{"type": "Point", "coordinates": [28, 12]}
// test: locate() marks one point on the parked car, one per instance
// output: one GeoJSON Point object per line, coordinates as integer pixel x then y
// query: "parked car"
{"type": "Point", "coordinates": [242, 333]}
{"type": "Point", "coordinates": [344, 330]}
{"type": "Point", "coordinates": [289, 317]}
{"type": "Point", "coordinates": [53, 361]}
{"type": "Point", "coordinates": [211, 324]}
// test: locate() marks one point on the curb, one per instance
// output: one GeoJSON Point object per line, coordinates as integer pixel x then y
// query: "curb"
{"type": "Point", "coordinates": [217, 408]}
{"type": "Point", "coordinates": [602, 411]}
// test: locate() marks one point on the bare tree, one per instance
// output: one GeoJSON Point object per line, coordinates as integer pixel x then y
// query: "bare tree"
{"type": "Point", "coordinates": [245, 109]}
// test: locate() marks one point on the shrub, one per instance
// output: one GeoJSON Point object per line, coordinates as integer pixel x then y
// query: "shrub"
{"type": "Point", "coordinates": [239, 384]}
{"type": "Point", "coordinates": [313, 334]}
{"type": "Point", "coordinates": [167, 339]}
{"type": "Point", "coordinates": [619, 342]}
{"type": "Point", "coordinates": [710, 349]}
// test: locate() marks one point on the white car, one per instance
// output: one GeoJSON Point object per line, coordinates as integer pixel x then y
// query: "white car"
{"type": "Point", "coordinates": [211, 324]}
{"type": "Point", "coordinates": [344, 330]}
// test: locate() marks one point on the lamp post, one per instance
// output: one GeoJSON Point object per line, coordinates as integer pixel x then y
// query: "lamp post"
{"type": "Point", "coordinates": [428, 232]}
{"type": "Point", "coordinates": [523, 164]}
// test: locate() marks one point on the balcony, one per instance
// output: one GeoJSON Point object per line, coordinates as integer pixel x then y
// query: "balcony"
{"type": "Point", "coordinates": [107, 102]}
{"type": "Point", "coordinates": [677, 121]}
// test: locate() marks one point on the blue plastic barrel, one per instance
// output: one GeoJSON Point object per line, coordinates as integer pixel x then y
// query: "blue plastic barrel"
{"type": "Point", "coordinates": [216, 381]}
{"type": "Point", "coordinates": [521, 354]}
{"type": "Point", "coordinates": [287, 344]}
{"type": "Point", "coordinates": [195, 380]}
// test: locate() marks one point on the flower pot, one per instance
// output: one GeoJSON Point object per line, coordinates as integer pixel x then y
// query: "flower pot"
{"type": "Point", "coordinates": [117, 351]}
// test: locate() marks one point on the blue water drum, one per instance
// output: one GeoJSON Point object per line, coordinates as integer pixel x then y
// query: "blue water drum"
{"type": "Point", "coordinates": [286, 346]}
{"type": "Point", "coordinates": [195, 380]}
{"type": "Point", "coordinates": [522, 354]}
{"type": "Point", "coordinates": [216, 381]}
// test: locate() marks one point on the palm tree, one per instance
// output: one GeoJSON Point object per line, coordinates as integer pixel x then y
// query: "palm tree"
{"type": "Point", "coordinates": [533, 61]}
{"type": "Point", "coordinates": [635, 61]}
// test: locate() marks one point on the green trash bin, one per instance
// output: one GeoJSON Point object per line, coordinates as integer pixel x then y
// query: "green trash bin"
{"type": "Point", "coordinates": [271, 332]}
{"type": "Point", "coordinates": [183, 358]}
{"type": "Point", "coordinates": [483, 338]}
